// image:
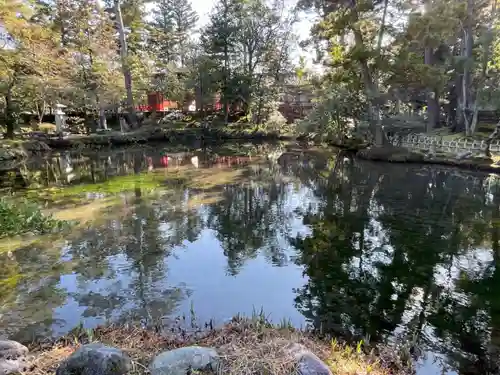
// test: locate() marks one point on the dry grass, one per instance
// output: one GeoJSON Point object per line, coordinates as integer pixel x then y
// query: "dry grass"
{"type": "Point", "coordinates": [140, 344]}
{"type": "Point", "coordinates": [46, 361]}
{"type": "Point", "coordinates": [346, 360]}
{"type": "Point", "coordinates": [246, 347]}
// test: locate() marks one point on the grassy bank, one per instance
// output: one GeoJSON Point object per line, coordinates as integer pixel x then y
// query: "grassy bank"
{"type": "Point", "coordinates": [23, 148]}
{"type": "Point", "coordinates": [149, 134]}
{"type": "Point", "coordinates": [246, 346]}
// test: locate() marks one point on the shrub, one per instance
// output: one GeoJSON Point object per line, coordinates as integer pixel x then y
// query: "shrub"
{"type": "Point", "coordinates": [334, 114]}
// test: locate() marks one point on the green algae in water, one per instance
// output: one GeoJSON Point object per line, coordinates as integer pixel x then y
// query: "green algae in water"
{"type": "Point", "coordinates": [146, 182]}
{"type": "Point", "coordinates": [119, 184]}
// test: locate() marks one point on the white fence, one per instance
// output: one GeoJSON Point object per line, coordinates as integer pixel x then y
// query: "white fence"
{"type": "Point", "coordinates": [425, 142]}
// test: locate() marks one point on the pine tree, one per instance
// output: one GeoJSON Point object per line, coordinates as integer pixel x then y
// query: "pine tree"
{"type": "Point", "coordinates": [172, 26]}
{"type": "Point", "coordinates": [162, 33]}
{"type": "Point", "coordinates": [219, 39]}
{"type": "Point", "coordinates": [185, 19]}
{"type": "Point", "coordinates": [249, 39]}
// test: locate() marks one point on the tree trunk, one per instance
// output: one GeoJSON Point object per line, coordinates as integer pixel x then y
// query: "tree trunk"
{"type": "Point", "coordinates": [40, 111]}
{"type": "Point", "coordinates": [10, 120]}
{"type": "Point", "coordinates": [382, 27]}
{"type": "Point", "coordinates": [469, 62]}
{"type": "Point", "coordinates": [226, 88]}
{"type": "Point", "coordinates": [452, 107]}
{"type": "Point", "coordinates": [431, 97]}
{"type": "Point", "coordinates": [127, 76]}
{"type": "Point", "coordinates": [371, 92]}
{"type": "Point", "coordinates": [488, 39]}
{"type": "Point", "coordinates": [432, 101]}
{"type": "Point", "coordinates": [371, 88]}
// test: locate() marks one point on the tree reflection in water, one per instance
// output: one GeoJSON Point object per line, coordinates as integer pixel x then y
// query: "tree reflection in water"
{"type": "Point", "coordinates": [388, 251]}
{"type": "Point", "coordinates": [405, 251]}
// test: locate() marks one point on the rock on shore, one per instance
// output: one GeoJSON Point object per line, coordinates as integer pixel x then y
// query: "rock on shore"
{"type": "Point", "coordinates": [12, 357]}
{"type": "Point", "coordinates": [96, 359]}
{"type": "Point", "coordinates": [180, 361]}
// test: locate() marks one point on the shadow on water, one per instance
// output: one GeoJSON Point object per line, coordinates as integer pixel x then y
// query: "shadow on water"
{"type": "Point", "coordinates": [389, 253]}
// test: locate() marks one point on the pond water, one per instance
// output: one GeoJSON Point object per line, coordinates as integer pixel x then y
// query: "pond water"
{"type": "Point", "coordinates": [393, 253]}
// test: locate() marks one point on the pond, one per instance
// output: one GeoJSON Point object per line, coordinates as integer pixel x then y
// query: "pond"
{"type": "Point", "coordinates": [378, 251]}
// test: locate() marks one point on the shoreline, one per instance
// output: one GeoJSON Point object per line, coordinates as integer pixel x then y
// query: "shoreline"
{"type": "Point", "coordinates": [401, 155]}
{"type": "Point", "coordinates": [244, 345]}
{"type": "Point", "coordinates": [159, 136]}
{"type": "Point", "coordinates": [13, 151]}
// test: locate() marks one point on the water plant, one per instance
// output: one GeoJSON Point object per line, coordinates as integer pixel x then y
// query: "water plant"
{"type": "Point", "coordinates": [20, 217]}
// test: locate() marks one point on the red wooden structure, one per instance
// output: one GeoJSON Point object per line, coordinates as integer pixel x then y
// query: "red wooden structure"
{"type": "Point", "coordinates": [157, 103]}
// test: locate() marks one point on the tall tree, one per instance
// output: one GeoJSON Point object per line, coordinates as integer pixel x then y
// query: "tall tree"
{"type": "Point", "coordinates": [184, 20]}
{"type": "Point", "coordinates": [127, 76]}
{"type": "Point", "coordinates": [162, 32]}
{"type": "Point", "coordinates": [97, 56]}
{"type": "Point", "coordinates": [250, 41]}
{"type": "Point", "coordinates": [31, 54]}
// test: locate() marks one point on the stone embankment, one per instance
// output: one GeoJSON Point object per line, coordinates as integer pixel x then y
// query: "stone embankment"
{"type": "Point", "coordinates": [20, 149]}
{"type": "Point", "coordinates": [476, 161]}
{"type": "Point", "coordinates": [17, 150]}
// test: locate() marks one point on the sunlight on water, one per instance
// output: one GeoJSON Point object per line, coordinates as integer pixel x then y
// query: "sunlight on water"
{"type": "Point", "coordinates": [393, 253]}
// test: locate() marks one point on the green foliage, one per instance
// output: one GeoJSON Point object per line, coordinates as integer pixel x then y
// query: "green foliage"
{"type": "Point", "coordinates": [427, 56]}
{"type": "Point", "coordinates": [172, 24]}
{"type": "Point", "coordinates": [250, 43]}
{"type": "Point", "coordinates": [22, 217]}
{"type": "Point", "coordinates": [333, 115]}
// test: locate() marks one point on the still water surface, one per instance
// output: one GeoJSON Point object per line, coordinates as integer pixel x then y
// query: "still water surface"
{"type": "Point", "coordinates": [393, 253]}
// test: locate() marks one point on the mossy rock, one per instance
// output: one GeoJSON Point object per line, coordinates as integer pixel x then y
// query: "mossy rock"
{"type": "Point", "coordinates": [35, 146]}
{"type": "Point", "coordinates": [392, 154]}
{"type": "Point", "coordinates": [354, 143]}
{"type": "Point", "coordinates": [482, 159]}
{"type": "Point", "coordinates": [6, 154]}
{"type": "Point", "coordinates": [12, 151]}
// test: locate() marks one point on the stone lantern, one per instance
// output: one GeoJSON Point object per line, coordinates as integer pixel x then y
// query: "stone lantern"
{"type": "Point", "coordinates": [60, 118]}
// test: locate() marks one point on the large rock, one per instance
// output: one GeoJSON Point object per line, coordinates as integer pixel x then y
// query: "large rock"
{"type": "Point", "coordinates": [12, 357]}
{"type": "Point", "coordinates": [96, 359]}
{"type": "Point", "coordinates": [12, 349]}
{"type": "Point", "coordinates": [179, 361]}
{"type": "Point", "coordinates": [12, 366]}
{"type": "Point", "coordinates": [307, 362]}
